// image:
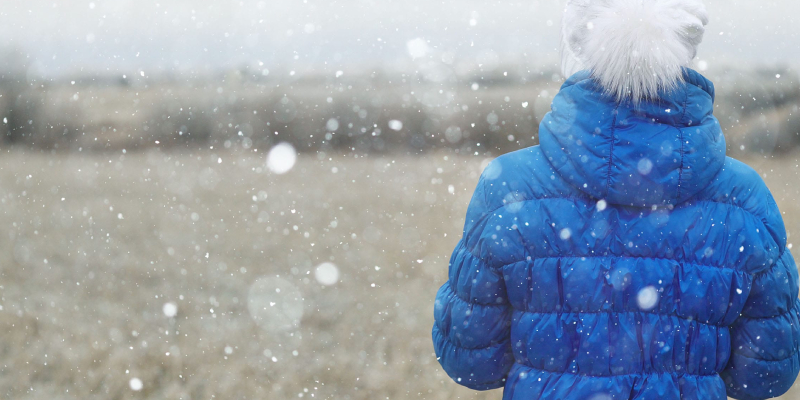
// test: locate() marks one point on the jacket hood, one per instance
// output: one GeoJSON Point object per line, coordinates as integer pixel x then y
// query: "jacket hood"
{"type": "Point", "coordinates": [658, 152]}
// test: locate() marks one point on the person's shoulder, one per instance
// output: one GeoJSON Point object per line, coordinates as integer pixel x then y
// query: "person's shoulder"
{"type": "Point", "coordinates": [511, 165]}
{"type": "Point", "coordinates": [740, 185]}
{"type": "Point", "coordinates": [737, 182]}
{"type": "Point", "coordinates": [525, 174]}
{"type": "Point", "coordinates": [734, 167]}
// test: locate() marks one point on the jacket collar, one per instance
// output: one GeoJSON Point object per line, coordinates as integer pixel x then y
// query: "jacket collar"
{"type": "Point", "coordinates": [661, 152]}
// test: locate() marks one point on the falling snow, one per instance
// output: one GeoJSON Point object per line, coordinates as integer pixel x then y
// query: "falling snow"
{"type": "Point", "coordinates": [260, 200]}
{"type": "Point", "coordinates": [170, 309]}
{"type": "Point", "coordinates": [281, 158]}
{"type": "Point", "coordinates": [327, 274]}
{"type": "Point", "coordinates": [647, 298]}
{"type": "Point", "coordinates": [136, 384]}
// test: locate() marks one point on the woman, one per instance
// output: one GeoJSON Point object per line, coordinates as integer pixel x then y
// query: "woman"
{"type": "Point", "coordinates": [625, 257]}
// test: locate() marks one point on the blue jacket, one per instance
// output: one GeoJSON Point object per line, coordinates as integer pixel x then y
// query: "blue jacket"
{"type": "Point", "coordinates": [625, 257]}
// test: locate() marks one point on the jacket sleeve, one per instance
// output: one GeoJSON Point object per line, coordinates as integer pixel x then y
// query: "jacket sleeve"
{"type": "Point", "coordinates": [472, 314]}
{"type": "Point", "coordinates": [764, 360]}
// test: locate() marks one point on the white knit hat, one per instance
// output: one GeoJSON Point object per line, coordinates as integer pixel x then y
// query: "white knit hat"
{"type": "Point", "coordinates": [634, 48]}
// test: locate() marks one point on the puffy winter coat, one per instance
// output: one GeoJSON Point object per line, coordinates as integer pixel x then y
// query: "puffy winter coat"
{"type": "Point", "coordinates": [625, 257]}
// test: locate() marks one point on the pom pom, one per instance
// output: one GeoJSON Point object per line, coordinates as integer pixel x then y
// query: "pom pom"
{"type": "Point", "coordinates": [634, 48]}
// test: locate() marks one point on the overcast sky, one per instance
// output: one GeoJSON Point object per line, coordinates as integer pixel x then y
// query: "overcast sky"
{"type": "Point", "coordinates": [63, 37]}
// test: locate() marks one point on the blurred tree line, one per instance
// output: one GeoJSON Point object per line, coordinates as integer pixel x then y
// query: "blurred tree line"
{"type": "Point", "coordinates": [433, 107]}
{"type": "Point", "coordinates": [15, 103]}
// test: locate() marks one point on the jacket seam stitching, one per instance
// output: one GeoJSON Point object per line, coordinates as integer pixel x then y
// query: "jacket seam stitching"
{"type": "Point", "coordinates": [759, 274]}
{"type": "Point", "coordinates": [684, 262]}
{"type": "Point", "coordinates": [755, 275]}
{"type": "Point", "coordinates": [634, 312]}
{"type": "Point", "coordinates": [685, 204]}
{"type": "Point", "coordinates": [491, 346]}
{"type": "Point", "coordinates": [611, 151]}
{"type": "Point", "coordinates": [680, 136]}
{"type": "Point", "coordinates": [794, 353]}
{"type": "Point", "coordinates": [680, 169]}
{"type": "Point", "coordinates": [475, 303]}
{"type": "Point", "coordinates": [793, 307]}
{"type": "Point", "coordinates": [638, 374]}
{"type": "Point", "coordinates": [681, 205]}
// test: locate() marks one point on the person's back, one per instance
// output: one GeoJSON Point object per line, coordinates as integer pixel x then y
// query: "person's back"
{"type": "Point", "coordinates": [625, 257]}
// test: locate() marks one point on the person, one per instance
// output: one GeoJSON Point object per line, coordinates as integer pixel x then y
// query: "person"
{"type": "Point", "coordinates": [625, 256]}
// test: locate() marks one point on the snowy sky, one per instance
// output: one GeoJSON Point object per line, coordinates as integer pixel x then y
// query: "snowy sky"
{"type": "Point", "coordinates": [62, 37]}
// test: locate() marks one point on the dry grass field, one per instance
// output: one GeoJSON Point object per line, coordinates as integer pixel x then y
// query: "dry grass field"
{"type": "Point", "coordinates": [92, 248]}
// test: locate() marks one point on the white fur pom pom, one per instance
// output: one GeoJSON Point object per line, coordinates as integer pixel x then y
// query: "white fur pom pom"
{"type": "Point", "coordinates": [634, 48]}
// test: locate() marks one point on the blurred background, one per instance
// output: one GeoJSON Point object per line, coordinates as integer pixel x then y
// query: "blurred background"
{"type": "Point", "coordinates": [258, 199]}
